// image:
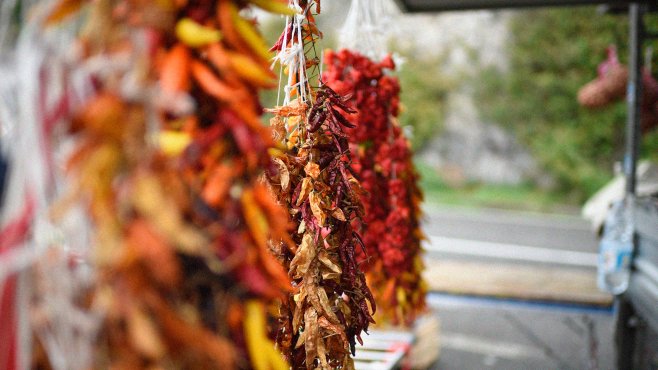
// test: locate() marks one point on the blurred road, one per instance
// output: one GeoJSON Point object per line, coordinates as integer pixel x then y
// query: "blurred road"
{"type": "Point", "coordinates": [516, 290]}
{"type": "Point", "coordinates": [506, 335]}
{"type": "Point", "coordinates": [509, 235]}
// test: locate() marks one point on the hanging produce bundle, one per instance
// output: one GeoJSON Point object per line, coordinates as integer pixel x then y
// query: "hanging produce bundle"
{"type": "Point", "coordinates": [169, 157]}
{"type": "Point", "coordinates": [320, 322]}
{"type": "Point", "coordinates": [383, 161]}
{"type": "Point", "coordinates": [611, 84]}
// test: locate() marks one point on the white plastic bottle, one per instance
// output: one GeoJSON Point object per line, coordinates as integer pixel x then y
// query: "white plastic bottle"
{"type": "Point", "coordinates": [616, 248]}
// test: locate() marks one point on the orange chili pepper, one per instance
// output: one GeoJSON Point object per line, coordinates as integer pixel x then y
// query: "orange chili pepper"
{"type": "Point", "coordinates": [252, 71]}
{"type": "Point", "coordinates": [153, 250]}
{"type": "Point", "coordinates": [275, 212]}
{"type": "Point", "coordinates": [255, 218]}
{"type": "Point", "coordinates": [102, 116]}
{"type": "Point", "coordinates": [175, 71]}
{"type": "Point", "coordinates": [218, 56]}
{"type": "Point", "coordinates": [62, 10]}
{"type": "Point", "coordinates": [260, 232]}
{"type": "Point", "coordinates": [235, 315]}
{"type": "Point", "coordinates": [224, 10]}
{"type": "Point", "coordinates": [274, 268]}
{"type": "Point", "coordinates": [267, 202]}
{"type": "Point", "coordinates": [211, 84]}
{"type": "Point", "coordinates": [389, 290]}
{"type": "Point", "coordinates": [191, 337]}
{"type": "Point", "coordinates": [218, 185]}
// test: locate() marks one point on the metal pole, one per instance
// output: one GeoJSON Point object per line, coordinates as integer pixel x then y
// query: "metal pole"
{"type": "Point", "coordinates": [634, 96]}
{"type": "Point", "coordinates": [625, 332]}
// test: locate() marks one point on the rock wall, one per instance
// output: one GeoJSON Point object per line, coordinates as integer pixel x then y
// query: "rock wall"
{"type": "Point", "coordinates": [468, 148]}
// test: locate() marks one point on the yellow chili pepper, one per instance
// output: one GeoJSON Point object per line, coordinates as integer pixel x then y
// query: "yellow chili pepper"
{"type": "Point", "coordinates": [276, 152]}
{"type": "Point", "coordinates": [274, 6]}
{"type": "Point", "coordinates": [173, 143]}
{"type": "Point", "coordinates": [401, 295]}
{"type": "Point", "coordinates": [250, 35]}
{"type": "Point", "coordinates": [261, 350]}
{"type": "Point", "coordinates": [196, 35]}
{"type": "Point", "coordinates": [255, 218]}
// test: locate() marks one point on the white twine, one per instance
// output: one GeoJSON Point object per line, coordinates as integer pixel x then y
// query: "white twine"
{"type": "Point", "coordinates": [368, 27]}
{"type": "Point", "coordinates": [293, 57]}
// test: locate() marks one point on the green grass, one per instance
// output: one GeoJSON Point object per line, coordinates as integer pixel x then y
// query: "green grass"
{"type": "Point", "coordinates": [521, 197]}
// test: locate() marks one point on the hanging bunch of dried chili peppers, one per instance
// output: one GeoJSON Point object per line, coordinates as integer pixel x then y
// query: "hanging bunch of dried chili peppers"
{"type": "Point", "coordinates": [169, 155]}
{"type": "Point", "coordinates": [383, 161]}
{"type": "Point", "coordinates": [323, 318]}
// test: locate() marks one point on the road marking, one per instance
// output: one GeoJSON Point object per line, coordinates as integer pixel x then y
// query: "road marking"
{"type": "Point", "coordinates": [510, 252]}
{"type": "Point", "coordinates": [488, 347]}
{"type": "Point", "coordinates": [442, 301]}
{"type": "Point", "coordinates": [506, 217]}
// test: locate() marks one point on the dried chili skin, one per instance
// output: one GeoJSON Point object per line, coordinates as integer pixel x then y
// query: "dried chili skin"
{"type": "Point", "coordinates": [382, 160]}
{"type": "Point", "coordinates": [184, 222]}
{"type": "Point", "coordinates": [323, 196]}
{"type": "Point", "coordinates": [321, 321]}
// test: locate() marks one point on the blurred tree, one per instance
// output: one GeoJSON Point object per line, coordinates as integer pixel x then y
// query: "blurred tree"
{"type": "Point", "coordinates": [553, 52]}
{"type": "Point", "coordinates": [424, 89]}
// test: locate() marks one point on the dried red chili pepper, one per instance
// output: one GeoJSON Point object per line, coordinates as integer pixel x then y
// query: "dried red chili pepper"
{"type": "Point", "coordinates": [382, 160]}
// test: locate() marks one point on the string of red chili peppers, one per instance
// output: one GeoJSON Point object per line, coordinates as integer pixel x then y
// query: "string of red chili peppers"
{"type": "Point", "coordinates": [382, 160]}
{"type": "Point", "coordinates": [169, 159]}
{"type": "Point", "coordinates": [331, 305]}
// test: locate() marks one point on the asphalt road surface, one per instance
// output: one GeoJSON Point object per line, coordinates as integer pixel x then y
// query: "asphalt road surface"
{"type": "Point", "coordinates": [508, 334]}
{"type": "Point", "coordinates": [508, 235]}
{"type": "Point", "coordinates": [503, 335]}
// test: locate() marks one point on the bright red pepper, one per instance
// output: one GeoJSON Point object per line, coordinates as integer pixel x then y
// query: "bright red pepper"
{"type": "Point", "coordinates": [382, 159]}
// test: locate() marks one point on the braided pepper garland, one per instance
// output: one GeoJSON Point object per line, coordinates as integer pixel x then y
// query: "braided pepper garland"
{"type": "Point", "coordinates": [323, 318]}
{"type": "Point", "coordinates": [169, 158]}
{"type": "Point", "coordinates": [383, 162]}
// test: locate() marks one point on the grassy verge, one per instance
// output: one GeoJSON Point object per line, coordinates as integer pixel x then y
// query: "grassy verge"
{"type": "Point", "coordinates": [520, 197]}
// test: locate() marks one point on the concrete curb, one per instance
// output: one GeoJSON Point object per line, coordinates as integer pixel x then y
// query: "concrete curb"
{"type": "Point", "coordinates": [505, 280]}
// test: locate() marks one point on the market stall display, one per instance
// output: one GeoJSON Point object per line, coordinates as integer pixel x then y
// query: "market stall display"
{"type": "Point", "coordinates": [172, 229]}
{"type": "Point", "coordinates": [168, 156]}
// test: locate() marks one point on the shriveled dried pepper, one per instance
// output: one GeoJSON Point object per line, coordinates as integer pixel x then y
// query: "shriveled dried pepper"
{"type": "Point", "coordinates": [321, 321]}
